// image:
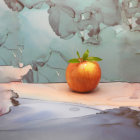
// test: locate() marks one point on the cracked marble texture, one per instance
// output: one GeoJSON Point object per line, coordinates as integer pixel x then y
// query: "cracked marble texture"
{"type": "Point", "coordinates": [45, 34]}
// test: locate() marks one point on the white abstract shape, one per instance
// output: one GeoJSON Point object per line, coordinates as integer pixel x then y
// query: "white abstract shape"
{"type": "Point", "coordinates": [10, 73]}
{"type": "Point", "coordinates": [6, 96]}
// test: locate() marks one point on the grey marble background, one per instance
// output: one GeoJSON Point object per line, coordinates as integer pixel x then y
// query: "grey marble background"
{"type": "Point", "coordinates": [44, 35]}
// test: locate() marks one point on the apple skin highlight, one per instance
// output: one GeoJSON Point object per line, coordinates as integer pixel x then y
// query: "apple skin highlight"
{"type": "Point", "coordinates": [83, 76]}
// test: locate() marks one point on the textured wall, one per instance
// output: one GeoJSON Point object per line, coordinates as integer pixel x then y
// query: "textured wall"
{"type": "Point", "coordinates": [46, 34]}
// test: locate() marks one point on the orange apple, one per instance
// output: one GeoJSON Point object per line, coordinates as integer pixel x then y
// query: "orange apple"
{"type": "Point", "coordinates": [83, 74]}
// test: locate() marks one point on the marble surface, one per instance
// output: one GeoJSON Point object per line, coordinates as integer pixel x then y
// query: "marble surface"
{"type": "Point", "coordinates": [54, 112]}
{"type": "Point", "coordinates": [113, 94]}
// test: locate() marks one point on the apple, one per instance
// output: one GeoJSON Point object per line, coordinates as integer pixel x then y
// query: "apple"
{"type": "Point", "coordinates": [83, 74]}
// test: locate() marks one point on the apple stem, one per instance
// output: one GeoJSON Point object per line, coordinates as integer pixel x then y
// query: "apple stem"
{"type": "Point", "coordinates": [80, 59]}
